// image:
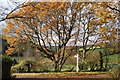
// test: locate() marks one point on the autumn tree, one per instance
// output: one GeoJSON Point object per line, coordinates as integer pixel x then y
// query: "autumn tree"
{"type": "Point", "coordinates": [108, 38]}
{"type": "Point", "coordinates": [48, 25]}
{"type": "Point", "coordinates": [97, 27]}
{"type": "Point", "coordinates": [52, 28]}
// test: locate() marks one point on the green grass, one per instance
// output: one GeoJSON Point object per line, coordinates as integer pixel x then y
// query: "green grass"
{"type": "Point", "coordinates": [113, 59]}
{"type": "Point", "coordinates": [96, 50]}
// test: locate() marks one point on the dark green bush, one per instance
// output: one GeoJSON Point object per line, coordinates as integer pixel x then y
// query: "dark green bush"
{"type": "Point", "coordinates": [7, 59]}
{"type": "Point", "coordinates": [6, 66]}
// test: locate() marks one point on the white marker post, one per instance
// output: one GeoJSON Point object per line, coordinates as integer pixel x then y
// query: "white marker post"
{"type": "Point", "coordinates": [77, 67]}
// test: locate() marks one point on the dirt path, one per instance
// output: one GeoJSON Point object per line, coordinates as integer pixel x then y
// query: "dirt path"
{"type": "Point", "coordinates": [63, 76]}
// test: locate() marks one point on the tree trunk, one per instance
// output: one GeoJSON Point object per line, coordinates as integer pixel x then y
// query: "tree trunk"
{"type": "Point", "coordinates": [101, 60]}
{"type": "Point", "coordinates": [83, 59]}
{"type": "Point", "coordinates": [83, 55]}
{"type": "Point", "coordinates": [106, 64]}
{"type": "Point", "coordinates": [58, 66]}
{"type": "Point", "coordinates": [92, 68]}
{"type": "Point", "coordinates": [28, 67]}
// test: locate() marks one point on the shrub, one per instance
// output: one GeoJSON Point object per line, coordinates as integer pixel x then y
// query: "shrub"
{"type": "Point", "coordinates": [34, 66]}
{"type": "Point", "coordinates": [6, 66]}
{"type": "Point", "coordinates": [92, 61]}
{"type": "Point", "coordinates": [44, 66]}
{"type": "Point", "coordinates": [17, 68]}
{"type": "Point", "coordinates": [7, 59]}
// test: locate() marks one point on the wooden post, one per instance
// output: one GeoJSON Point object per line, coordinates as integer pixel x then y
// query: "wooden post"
{"type": "Point", "coordinates": [77, 66]}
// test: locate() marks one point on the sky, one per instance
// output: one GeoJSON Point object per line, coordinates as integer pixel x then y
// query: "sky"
{"type": "Point", "coordinates": [5, 7]}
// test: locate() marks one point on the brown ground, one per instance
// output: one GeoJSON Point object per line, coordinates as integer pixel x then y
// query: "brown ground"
{"type": "Point", "coordinates": [63, 76]}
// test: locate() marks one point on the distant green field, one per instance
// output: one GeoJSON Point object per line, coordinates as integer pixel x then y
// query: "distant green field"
{"type": "Point", "coordinates": [96, 50]}
{"type": "Point", "coordinates": [113, 59]}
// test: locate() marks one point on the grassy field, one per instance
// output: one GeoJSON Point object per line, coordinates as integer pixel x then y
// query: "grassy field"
{"type": "Point", "coordinates": [113, 59]}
